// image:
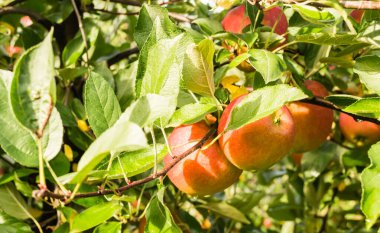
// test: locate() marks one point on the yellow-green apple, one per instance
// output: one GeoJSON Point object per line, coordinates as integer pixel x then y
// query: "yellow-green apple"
{"type": "Point", "coordinates": [205, 171]}
{"type": "Point", "coordinates": [359, 133]}
{"type": "Point", "coordinates": [260, 144]}
{"type": "Point", "coordinates": [312, 123]}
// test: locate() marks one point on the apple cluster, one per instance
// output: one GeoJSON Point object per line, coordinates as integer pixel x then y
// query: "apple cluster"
{"type": "Point", "coordinates": [293, 129]}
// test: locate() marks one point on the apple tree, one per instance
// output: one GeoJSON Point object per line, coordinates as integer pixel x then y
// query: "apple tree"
{"type": "Point", "coordinates": [189, 116]}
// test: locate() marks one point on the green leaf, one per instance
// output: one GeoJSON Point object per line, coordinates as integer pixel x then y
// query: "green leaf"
{"type": "Point", "coordinates": [109, 227]}
{"type": "Point", "coordinates": [33, 86]}
{"type": "Point", "coordinates": [324, 38]}
{"type": "Point", "coordinates": [261, 103]}
{"type": "Point", "coordinates": [340, 61]}
{"type": "Point", "coordinates": [191, 113]}
{"type": "Point", "coordinates": [365, 107]}
{"type": "Point", "coordinates": [21, 172]}
{"type": "Point", "coordinates": [160, 67]}
{"type": "Point", "coordinates": [125, 85]}
{"type": "Point", "coordinates": [122, 136]}
{"type": "Point", "coordinates": [268, 64]}
{"type": "Point", "coordinates": [283, 211]}
{"type": "Point", "coordinates": [209, 26]}
{"type": "Point", "coordinates": [94, 216]}
{"type": "Point", "coordinates": [9, 224]}
{"type": "Point", "coordinates": [70, 74]}
{"type": "Point", "coordinates": [342, 101]}
{"type": "Point", "coordinates": [12, 203]}
{"type": "Point", "coordinates": [102, 106]}
{"type": "Point", "coordinates": [15, 140]}
{"type": "Point", "coordinates": [135, 162]}
{"type": "Point", "coordinates": [24, 187]}
{"type": "Point", "coordinates": [367, 67]}
{"type": "Point", "coordinates": [53, 135]}
{"type": "Point", "coordinates": [226, 210]}
{"type": "Point", "coordinates": [315, 162]}
{"type": "Point", "coordinates": [198, 68]}
{"type": "Point", "coordinates": [148, 15]}
{"type": "Point", "coordinates": [371, 187]}
{"type": "Point", "coordinates": [239, 59]}
{"type": "Point", "coordinates": [314, 15]}
{"type": "Point", "coordinates": [147, 109]}
{"type": "Point", "coordinates": [73, 51]}
{"type": "Point", "coordinates": [158, 216]}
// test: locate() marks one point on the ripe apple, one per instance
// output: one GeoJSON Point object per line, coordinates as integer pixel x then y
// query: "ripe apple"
{"type": "Point", "coordinates": [359, 133]}
{"type": "Point", "coordinates": [313, 123]}
{"type": "Point", "coordinates": [357, 15]}
{"type": "Point", "coordinates": [297, 158]}
{"type": "Point", "coordinates": [237, 19]}
{"type": "Point", "coordinates": [12, 50]}
{"type": "Point", "coordinates": [203, 172]}
{"type": "Point", "coordinates": [260, 144]}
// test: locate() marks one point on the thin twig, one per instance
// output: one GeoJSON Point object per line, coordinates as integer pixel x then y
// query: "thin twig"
{"type": "Point", "coordinates": [16, 2]}
{"type": "Point", "coordinates": [127, 2]}
{"type": "Point", "coordinates": [324, 103]}
{"type": "Point", "coordinates": [137, 182]}
{"type": "Point", "coordinates": [35, 16]}
{"type": "Point", "coordinates": [179, 17]}
{"type": "Point", "coordinates": [120, 56]}
{"type": "Point", "coordinates": [93, 9]}
{"type": "Point", "coordinates": [81, 28]}
{"type": "Point", "coordinates": [325, 218]}
{"type": "Point", "coordinates": [363, 5]}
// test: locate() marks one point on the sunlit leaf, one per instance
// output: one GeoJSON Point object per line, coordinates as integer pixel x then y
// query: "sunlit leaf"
{"type": "Point", "coordinates": [261, 103]}
{"type": "Point", "coordinates": [371, 187]}
{"type": "Point", "coordinates": [94, 216]}
{"type": "Point", "coordinates": [198, 68]}
{"type": "Point", "coordinates": [33, 86]}
{"type": "Point", "coordinates": [102, 106]}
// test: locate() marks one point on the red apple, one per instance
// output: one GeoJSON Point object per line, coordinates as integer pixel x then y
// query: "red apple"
{"type": "Point", "coordinates": [203, 172]}
{"type": "Point", "coordinates": [12, 50]}
{"type": "Point", "coordinates": [357, 15]}
{"type": "Point", "coordinates": [237, 19]}
{"type": "Point", "coordinates": [297, 158]}
{"type": "Point", "coordinates": [312, 123]}
{"type": "Point", "coordinates": [359, 133]}
{"type": "Point", "coordinates": [260, 144]}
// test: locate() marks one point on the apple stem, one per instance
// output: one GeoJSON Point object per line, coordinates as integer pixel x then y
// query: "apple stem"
{"type": "Point", "coordinates": [166, 141]}
{"type": "Point", "coordinates": [155, 151]}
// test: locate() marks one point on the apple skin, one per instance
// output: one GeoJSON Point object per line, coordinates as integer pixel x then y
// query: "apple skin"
{"type": "Point", "coordinates": [297, 159]}
{"type": "Point", "coordinates": [236, 20]}
{"type": "Point", "coordinates": [359, 133]}
{"type": "Point", "coordinates": [204, 172]}
{"type": "Point", "coordinates": [260, 144]}
{"type": "Point", "coordinates": [357, 15]}
{"type": "Point", "coordinates": [313, 123]}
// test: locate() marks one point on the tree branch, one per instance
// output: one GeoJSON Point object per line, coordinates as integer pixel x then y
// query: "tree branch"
{"type": "Point", "coordinates": [363, 5]}
{"type": "Point", "coordinates": [35, 16]}
{"type": "Point", "coordinates": [132, 184]}
{"type": "Point", "coordinates": [127, 2]}
{"type": "Point", "coordinates": [120, 56]}
{"type": "Point", "coordinates": [324, 103]}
